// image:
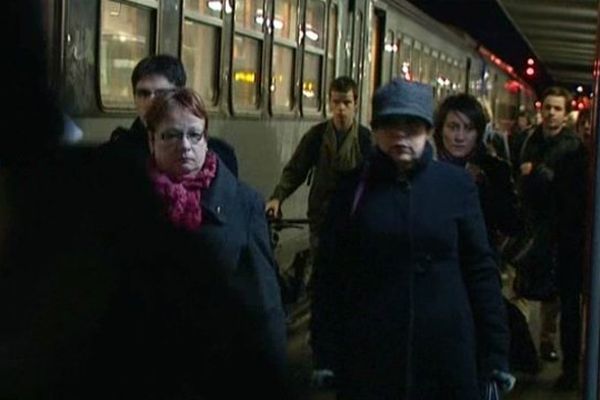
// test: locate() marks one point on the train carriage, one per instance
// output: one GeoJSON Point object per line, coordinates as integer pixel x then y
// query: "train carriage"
{"type": "Point", "coordinates": [263, 67]}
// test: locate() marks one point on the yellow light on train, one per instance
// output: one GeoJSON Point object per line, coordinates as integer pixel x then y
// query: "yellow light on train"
{"type": "Point", "coordinates": [308, 89]}
{"type": "Point", "coordinates": [244, 77]}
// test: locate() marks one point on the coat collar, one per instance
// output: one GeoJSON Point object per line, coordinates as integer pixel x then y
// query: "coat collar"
{"type": "Point", "coordinates": [217, 200]}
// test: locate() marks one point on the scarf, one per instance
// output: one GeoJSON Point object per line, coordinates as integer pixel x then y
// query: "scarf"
{"type": "Point", "coordinates": [182, 198]}
{"type": "Point", "coordinates": [348, 156]}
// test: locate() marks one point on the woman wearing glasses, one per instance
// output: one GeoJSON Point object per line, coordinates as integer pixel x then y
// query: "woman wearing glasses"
{"type": "Point", "coordinates": [224, 218]}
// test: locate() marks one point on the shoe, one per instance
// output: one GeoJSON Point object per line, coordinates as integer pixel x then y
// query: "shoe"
{"type": "Point", "coordinates": [548, 352]}
{"type": "Point", "coordinates": [567, 381]}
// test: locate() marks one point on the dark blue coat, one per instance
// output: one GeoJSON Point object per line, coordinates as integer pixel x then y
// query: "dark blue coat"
{"type": "Point", "coordinates": [407, 294]}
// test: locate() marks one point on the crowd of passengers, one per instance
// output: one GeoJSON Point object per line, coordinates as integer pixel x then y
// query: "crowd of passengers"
{"type": "Point", "coordinates": [170, 289]}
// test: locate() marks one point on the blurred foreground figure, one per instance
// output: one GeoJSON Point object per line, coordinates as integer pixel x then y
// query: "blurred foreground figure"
{"type": "Point", "coordinates": [101, 296]}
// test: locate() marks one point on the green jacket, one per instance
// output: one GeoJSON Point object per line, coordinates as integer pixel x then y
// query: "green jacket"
{"type": "Point", "coordinates": [310, 156]}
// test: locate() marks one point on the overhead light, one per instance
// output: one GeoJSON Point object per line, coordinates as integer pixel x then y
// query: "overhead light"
{"type": "Point", "coordinates": [215, 5]}
{"type": "Point", "coordinates": [580, 89]}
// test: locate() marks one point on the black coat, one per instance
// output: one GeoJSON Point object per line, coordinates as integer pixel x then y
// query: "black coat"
{"type": "Point", "coordinates": [407, 294]}
{"type": "Point", "coordinates": [102, 298]}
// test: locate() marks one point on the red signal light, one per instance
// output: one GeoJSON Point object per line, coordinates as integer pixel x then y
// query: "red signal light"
{"type": "Point", "coordinates": [530, 71]}
{"type": "Point", "coordinates": [530, 61]}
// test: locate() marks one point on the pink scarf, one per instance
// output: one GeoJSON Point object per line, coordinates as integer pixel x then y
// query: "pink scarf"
{"type": "Point", "coordinates": [183, 198]}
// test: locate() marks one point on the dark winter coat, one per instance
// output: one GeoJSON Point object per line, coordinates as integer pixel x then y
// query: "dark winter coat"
{"type": "Point", "coordinates": [102, 298]}
{"type": "Point", "coordinates": [407, 298]}
{"type": "Point", "coordinates": [497, 194]}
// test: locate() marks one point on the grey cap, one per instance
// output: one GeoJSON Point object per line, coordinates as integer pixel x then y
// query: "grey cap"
{"type": "Point", "coordinates": [403, 98]}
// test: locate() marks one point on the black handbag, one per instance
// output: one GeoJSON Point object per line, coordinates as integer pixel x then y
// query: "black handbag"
{"type": "Point", "coordinates": [534, 263]}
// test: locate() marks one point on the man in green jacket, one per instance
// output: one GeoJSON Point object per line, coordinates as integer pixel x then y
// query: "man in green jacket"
{"type": "Point", "coordinates": [329, 149]}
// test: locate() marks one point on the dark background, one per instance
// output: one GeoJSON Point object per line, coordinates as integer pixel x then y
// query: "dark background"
{"type": "Point", "coordinates": [487, 23]}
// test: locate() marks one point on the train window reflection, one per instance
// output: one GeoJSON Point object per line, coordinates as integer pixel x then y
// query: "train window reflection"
{"type": "Point", "coordinates": [126, 32]}
{"type": "Point", "coordinates": [311, 84]}
{"type": "Point", "coordinates": [200, 56]}
{"type": "Point", "coordinates": [282, 79]}
{"type": "Point", "coordinates": [249, 14]}
{"type": "Point", "coordinates": [315, 23]}
{"type": "Point", "coordinates": [285, 19]}
{"type": "Point", "coordinates": [213, 8]}
{"type": "Point", "coordinates": [246, 72]}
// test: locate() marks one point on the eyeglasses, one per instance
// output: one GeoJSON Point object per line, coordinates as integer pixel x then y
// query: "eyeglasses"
{"type": "Point", "coordinates": [145, 93]}
{"type": "Point", "coordinates": [177, 136]}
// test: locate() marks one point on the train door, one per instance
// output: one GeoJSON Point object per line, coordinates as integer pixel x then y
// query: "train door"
{"type": "Point", "coordinates": [356, 24]}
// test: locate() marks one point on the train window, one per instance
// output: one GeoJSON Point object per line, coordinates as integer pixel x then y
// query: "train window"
{"type": "Point", "coordinates": [426, 65]}
{"type": "Point", "coordinates": [282, 80]}
{"type": "Point", "coordinates": [284, 51]}
{"type": "Point", "coordinates": [247, 54]}
{"type": "Point", "coordinates": [200, 50]}
{"type": "Point", "coordinates": [314, 26]}
{"type": "Point", "coordinates": [389, 48]}
{"type": "Point", "coordinates": [286, 19]}
{"type": "Point", "coordinates": [404, 65]}
{"type": "Point", "coordinates": [246, 72]}
{"type": "Point", "coordinates": [314, 53]}
{"type": "Point", "coordinates": [416, 61]}
{"type": "Point", "coordinates": [126, 36]}
{"type": "Point", "coordinates": [249, 14]}
{"type": "Point", "coordinates": [213, 8]}
{"type": "Point", "coordinates": [332, 42]}
{"type": "Point", "coordinates": [311, 83]}
{"type": "Point", "coordinates": [357, 50]}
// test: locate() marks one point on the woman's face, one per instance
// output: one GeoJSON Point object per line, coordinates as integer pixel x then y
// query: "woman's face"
{"type": "Point", "coordinates": [459, 135]}
{"type": "Point", "coordinates": [179, 144]}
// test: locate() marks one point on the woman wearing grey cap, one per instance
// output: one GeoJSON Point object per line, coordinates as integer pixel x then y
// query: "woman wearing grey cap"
{"type": "Point", "coordinates": [407, 298]}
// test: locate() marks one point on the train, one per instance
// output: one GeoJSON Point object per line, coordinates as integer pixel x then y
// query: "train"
{"type": "Point", "coordinates": [263, 67]}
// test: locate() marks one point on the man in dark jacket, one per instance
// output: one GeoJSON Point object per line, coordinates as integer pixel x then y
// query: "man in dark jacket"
{"type": "Point", "coordinates": [552, 184]}
{"type": "Point", "coordinates": [407, 301]}
{"type": "Point", "coordinates": [153, 76]}
{"type": "Point", "coordinates": [329, 149]}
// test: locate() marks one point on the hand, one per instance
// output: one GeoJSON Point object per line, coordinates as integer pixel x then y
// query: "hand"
{"type": "Point", "coordinates": [504, 380]}
{"type": "Point", "coordinates": [322, 378]}
{"type": "Point", "coordinates": [526, 168]}
{"type": "Point", "coordinates": [273, 208]}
